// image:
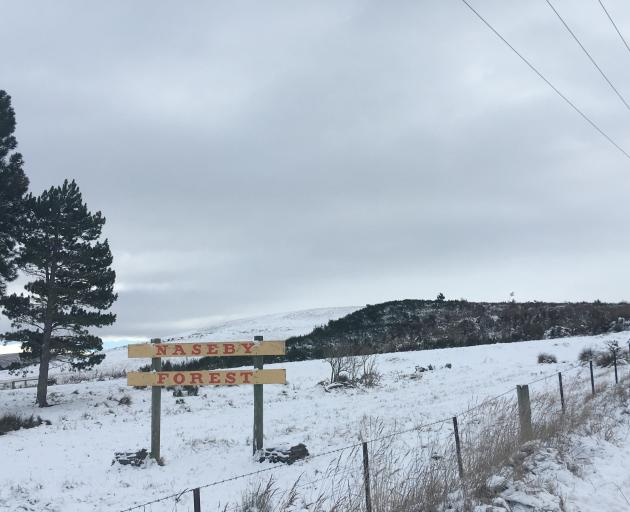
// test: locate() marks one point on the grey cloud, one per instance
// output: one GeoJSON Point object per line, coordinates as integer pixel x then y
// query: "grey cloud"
{"type": "Point", "coordinates": [252, 158]}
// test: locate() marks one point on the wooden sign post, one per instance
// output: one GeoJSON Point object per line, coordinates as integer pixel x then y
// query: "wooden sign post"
{"type": "Point", "coordinates": [257, 438]}
{"type": "Point", "coordinates": [156, 406]}
{"type": "Point", "coordinates": [157, 379]}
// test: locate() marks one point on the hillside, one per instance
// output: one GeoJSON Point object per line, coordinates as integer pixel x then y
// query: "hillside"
{"type": "Point", "coordinates": [422, 324]}
{"type": "Point", "coordinates": [207, 437]}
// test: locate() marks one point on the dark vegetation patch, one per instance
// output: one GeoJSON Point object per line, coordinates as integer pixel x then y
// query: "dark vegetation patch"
{"type": "Point", "coordinates": [425, 324]}
{"type": "Point", "coordinates": [11, 422]}
{"type": "Point", "coordinates": [545, 358]}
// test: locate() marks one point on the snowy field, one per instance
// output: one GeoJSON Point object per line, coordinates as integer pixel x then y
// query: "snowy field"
{"type": "Point", "coordinates": [67, 466]}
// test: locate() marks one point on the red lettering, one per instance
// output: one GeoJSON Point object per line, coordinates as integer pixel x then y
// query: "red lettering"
{"type": "Point", "coordinates": [246, 376]}
{"type": "Point", "coordinates": [195, 378]}
{"type": "Point", "coordinates": [160, 350]}
{"type": "Point", "coordinates": [248, 347]}
{"type": "Point", "coordinates": [179, 351]}
{"type": "Point", "coordinates": [179, 378]}
{"type": "Point", "coordinates": [228, 348]}
{"type": "Point", "coordinates": [196, 349]}
{"type": "Point", "coordinates": [162, 378]}
{"type": "Point", "coordinates": [212, 349]}
{"type": "Point", "coordinates": [230, 378]}
{"type": "Point", "coordinates": [215, 378]}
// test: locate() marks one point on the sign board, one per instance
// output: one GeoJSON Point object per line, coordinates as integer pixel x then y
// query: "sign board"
{"type": "Point", "coordinates": [158, 379]}
{"type": "Point", "coordinates": [207, 378]}
{"type": "Point", "coordinates": [207, 349]}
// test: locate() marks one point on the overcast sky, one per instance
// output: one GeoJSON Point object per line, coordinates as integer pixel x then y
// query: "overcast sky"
{"type": "Point", "coordinates": [256, 157]}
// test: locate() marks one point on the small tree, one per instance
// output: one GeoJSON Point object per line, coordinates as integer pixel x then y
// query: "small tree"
{"type": "Point", "coordinates": [72, 283]}
{"type": "Point", "coordinates": [13, 187]}
{"type": "Point", "coordinates": [613, 347]}
{"type": "Point", "coordinates": [440, 297]}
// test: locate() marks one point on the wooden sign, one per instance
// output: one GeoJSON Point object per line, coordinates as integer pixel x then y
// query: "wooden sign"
{"type": "Point", "coordinates": [207, 349]}
{"type": "Point", "coordinates": [207, 378]}
{"type": "Point", "coordinates": [158, 379]}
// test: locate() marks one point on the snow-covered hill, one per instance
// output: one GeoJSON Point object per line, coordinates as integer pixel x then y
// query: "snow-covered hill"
{"type": "Point", "coordinates": [67, 466]}
{"type": "Point", "coordinates": [278, 326]}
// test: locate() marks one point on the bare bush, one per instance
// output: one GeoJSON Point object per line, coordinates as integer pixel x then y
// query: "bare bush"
{"type": "Point", "coordinates": [370, 375]}
{"type": "Point", "coordinates": [340, 364]}
{"type": "Point", "coordinates": [352, 369]}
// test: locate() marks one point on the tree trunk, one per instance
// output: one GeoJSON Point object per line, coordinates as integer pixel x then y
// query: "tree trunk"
{"type": "Point", "coordinates": [44, 360]}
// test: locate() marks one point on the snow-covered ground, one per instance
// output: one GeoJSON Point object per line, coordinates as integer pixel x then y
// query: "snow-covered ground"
{"type": "Point", "coordinates": [586, 471]}
{"type": "Point", "coordinates": [67, 466]}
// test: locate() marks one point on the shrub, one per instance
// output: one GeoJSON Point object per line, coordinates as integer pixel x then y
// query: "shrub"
{"type": "Point", "coordinates": [124, 400]}
{"type": "Point", "coordinates": [10, 422]}
{"type": "Point", "coordinates": [604, 359]}
{"type": "Point", "coordinates": [545, 358]}
{"type": "Point", "coordinates": [586, 354]}
{"type": "Point", "coordinates": [370, 379]}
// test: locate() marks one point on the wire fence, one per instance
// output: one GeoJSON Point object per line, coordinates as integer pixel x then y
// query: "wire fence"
{"type": "Point", "coordinates": [441, 458]}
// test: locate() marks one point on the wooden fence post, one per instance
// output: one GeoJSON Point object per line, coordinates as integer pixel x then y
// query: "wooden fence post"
{"type": "Point", "coordinates": [615, 363]}
{"type": "Point", "coordinates": [524, 413]}
{"type": "Point", "coordinates": [458, 448]}
{"type": "Point", "coordinates": [592, 377]}
{"type": "Point", "coordinates": [258, 405]}
{"type": "Point", "coordinates": [561, 390]}
{"type": "Point", "coordinates": [366, 478]}
{"type": "Point", "coordinates": [156, 404]}
{"type": "Point", "coordinates": [196, 500]}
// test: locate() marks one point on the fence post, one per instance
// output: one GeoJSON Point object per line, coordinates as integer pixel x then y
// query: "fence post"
{"type": "Point", "coordinates": [524, 412]}
{"type": "Point", "coordinates": [156, 404]}
{"type": "Point", "coordinates": [258, 405]}
{"type": "Point", "coordinates": [615, 363]}
{"type": "Point", "coordinates": [196, 500]}
{"type": "Point", "coordinates": [592, 377]}
{"type": "Point", "coordinates": [458, 448]}
{"type": "Point", "coordinates": [561, 390]}
{"type": "Point", "coordinates": [366, 478]}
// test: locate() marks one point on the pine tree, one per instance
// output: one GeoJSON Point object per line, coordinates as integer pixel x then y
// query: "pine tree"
{"type": "Point", "coordinates": [13, 187]}
{"type": "Point", "coordinates": [72, 284]}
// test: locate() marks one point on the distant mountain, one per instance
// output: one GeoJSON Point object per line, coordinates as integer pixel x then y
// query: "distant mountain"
{"type": "Point", "coordinates": [423, 324]}
{"type": "Point", "coordinates": [278, 326]}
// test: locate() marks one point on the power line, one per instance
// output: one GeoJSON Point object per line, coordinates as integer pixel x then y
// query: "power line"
{"type": "Point", "coordinates": [587, 53]}
{"type": "Point", "coordinates": [614, 25]}
{"type": "Point", "coordinates": [542, 77]}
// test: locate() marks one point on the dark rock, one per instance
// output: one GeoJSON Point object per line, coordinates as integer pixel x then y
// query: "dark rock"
{"type": "Point", "coordinates": [289, 456]}
{"type": "Point", "coordinates": [131, 458]}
